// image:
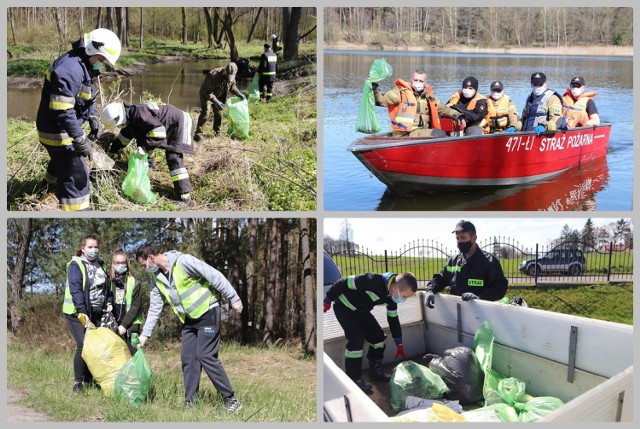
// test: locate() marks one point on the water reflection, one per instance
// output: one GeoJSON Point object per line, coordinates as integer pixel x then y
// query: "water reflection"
{"type": "Point", "coordinates": [571, 190]}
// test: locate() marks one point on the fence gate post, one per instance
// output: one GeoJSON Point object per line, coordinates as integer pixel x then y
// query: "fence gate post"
{"type": "Point", "coordinates": [609, 267]}
{"type": "Point", "coordinates": [386, 262]}
{"type": "Point", "coordinates": [536, 277]}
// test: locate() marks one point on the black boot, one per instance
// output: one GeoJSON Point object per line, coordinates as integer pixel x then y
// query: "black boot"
{"type": "Point", "coordinates": [376, 372]}
{"type": "Point", "coordinates": [364, 386]}
{"type": "Point", "coordinates": [77, 387]}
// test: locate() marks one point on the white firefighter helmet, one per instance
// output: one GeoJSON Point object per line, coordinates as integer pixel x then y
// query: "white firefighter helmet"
{"type": "Point", "coordinates": [103, 42]}
{"type": "Point", "coordinates": [113, 115]}
{"type": "Point", "coordinates": [273, 36]}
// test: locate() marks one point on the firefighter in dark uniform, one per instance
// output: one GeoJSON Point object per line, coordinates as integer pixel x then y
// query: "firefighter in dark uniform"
{"type": "Point", "coordinates": [267, 69]}
{"type": "Point", "coordinates": [217, 87]}
{"type": "Point", "coordinates": [472, 274]}
{"type": "Point", "coordinates": [67, 102]}
{"type": "Point", "coordinates": [155, 126]}
{"type": "Point", "coordinates": [355, 297]}
{"type": "Point", "coordinates": [275, 44]}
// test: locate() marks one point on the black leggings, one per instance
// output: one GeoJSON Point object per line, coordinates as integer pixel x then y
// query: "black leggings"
{"type": "Point", "coordinates": [80, 370]}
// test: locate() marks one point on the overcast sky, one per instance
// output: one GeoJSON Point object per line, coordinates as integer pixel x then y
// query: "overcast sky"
{"type": "Point", "coordinates": [378, 234]}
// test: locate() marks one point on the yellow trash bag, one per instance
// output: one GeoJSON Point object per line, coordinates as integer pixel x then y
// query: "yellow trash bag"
{"type": "Point", "coordinates": [442, 413]}
{"type": "Point", "coordinates": [105, 353]}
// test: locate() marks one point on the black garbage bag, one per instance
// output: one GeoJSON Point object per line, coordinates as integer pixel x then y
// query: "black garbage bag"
{"type": "Point", "coordinates": [460, 370]}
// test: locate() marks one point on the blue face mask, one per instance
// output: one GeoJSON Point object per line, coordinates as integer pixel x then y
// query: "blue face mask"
{"type": "Point", "coordinates": [98, 66]}
{"type": "Point", "coordinates": [398, 300]}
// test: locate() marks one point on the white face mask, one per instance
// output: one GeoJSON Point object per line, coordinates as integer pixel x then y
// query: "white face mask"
{"type": "Point", "coordinates": [92, 253]}
{"type": "Point", "coordinates": [417, 86]}
{"type": "Point", "coordinates": [468, 92]}
{"type": "Point", "coordinates": [120, 269]}
{"type": "Point", "coordinates": [577, 92]}
{"type": "Point", "coordinates": [537, 90]}
{"type": "Point", "coordinates": [153, 269]}
{"type": "Point", "coordinates": [496, 95]}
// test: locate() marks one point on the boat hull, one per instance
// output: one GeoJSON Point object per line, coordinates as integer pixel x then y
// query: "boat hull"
{"type": "Point", "coordinates": [408, 164]}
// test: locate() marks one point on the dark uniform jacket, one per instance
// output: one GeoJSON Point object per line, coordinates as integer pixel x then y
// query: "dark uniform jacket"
{"type": "Point", "coordinates": [361, 293]}
{"type": "Point", "coordinates": [481, 274]}
{"type": "Point", "coordinates": [217, 87]}
{"type": "Point", "coordinates": [67, 97]}
{"type": "Point", "coordinates": [155, 126]}
{"type": "Point", "coordinates": [268, 65]}
{"type": "Point", "coordinates": [80, 292]}
{"type": "Point", "coordinates": [473, 116]}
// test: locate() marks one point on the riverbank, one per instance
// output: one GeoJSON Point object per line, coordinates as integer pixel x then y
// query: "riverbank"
{"type": "Point", "coordinates": [623, 51]}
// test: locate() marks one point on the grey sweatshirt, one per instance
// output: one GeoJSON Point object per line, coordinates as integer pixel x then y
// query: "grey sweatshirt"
{"type": "Point", "coordinates": [195, 268]}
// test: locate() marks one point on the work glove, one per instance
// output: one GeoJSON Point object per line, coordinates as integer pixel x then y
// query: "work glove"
{"type": "Point", "coordinates": [467, 296]}
{"type": "Point", "coordinates": [400, 352]}
{"type": "Point", "coordinates": [539, 129]}
{"type": "Point", "coordinates": [122, 330]}
{"type": "Point", "coordinates": [237, 306]}
{"type": "Point", "coordinates": [510, 129]}
{"type": "Point", "coordinates": [143, 340]}
{"type": "Point", "coordinates": [241, 95]}
{"type": "Point", "coordinates": [219, 105]}
{"type": "Point", "coordinates": [86, 322]}
{"type": "Point", "coordinates": [429, 299]}
{"type": "Point", "coordinates": [116, 146]}
{"type": "Point", "coordinates": [326, 305]}
{"type": "Point", "coordinates": [109, 308]}
{"type": "Point", "coordinates": [374, 86]}
{"type": "Point", "coordinates": [82, 146]}
{"type": "Point", "coordinates": [94, 124]}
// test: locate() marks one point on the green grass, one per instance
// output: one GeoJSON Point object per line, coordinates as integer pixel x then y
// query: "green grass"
{"type": "Point", "coordinates": [273, 385]}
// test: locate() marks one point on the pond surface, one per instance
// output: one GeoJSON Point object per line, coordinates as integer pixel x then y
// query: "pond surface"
{"type": "Point", "coordinates": [603, 185]}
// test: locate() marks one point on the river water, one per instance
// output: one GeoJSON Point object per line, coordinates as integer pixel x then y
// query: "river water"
{"type": "Point", "coordinates": [603, 186]}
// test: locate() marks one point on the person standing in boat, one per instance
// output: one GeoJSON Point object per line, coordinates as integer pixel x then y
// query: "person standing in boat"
{"type": "Point", "coordinates": [543, 109]}
{"type": "Point", "coordinates": [355, 297]}
{"type": "Point", "coordinates": [413, 108]}
{"type": "Point", "coordinates": [578, 108]}
{"type": "Point", "coordinates": [473, 106]}
{"type": "Point", "coordinates": [472, 274]}
{"type": "Point", "coordinates": [503, 114]}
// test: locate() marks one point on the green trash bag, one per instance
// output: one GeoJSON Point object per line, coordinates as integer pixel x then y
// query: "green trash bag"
{"type": "Point", "coordinates": [134, 380]}
{"type": "Point", "coordinates": [483, 348]}
{"type": "Point", "coordinates": [512, 390]}
{"type": "Point", "coordinates": [254, 89]}
{"type": "Point", "coordinates": [537, 407]}
{"type": "Point", "coordinates": [136, 184]}
{"type": "Point", "coordinates": [380, 69]}
{"type": "Point", "coordinates": [238, 118]}
{"type": "Point", "coordinates": [412, 379]}
{"type": "Point", "coordinates": [367, 119]}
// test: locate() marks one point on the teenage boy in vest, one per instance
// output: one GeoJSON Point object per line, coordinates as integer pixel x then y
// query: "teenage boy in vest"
{"type": "Point", "coordinates": [192, 288]}
{"type": "Point", "coordinates": [355, 297]}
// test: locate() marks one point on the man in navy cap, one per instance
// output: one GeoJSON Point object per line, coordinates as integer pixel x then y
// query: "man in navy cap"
{"type": "Point", "coordinates": [503, 115]}
{"type": "Point", "coordinates": [472, 274]}
{"type": "Point", "coordinates": [473, 107]}
{"type": "Point", "coordinates": [543, 110]}
{"type": "Point", "coordinates": [579, 108]}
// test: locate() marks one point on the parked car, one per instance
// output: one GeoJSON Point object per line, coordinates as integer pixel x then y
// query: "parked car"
{"type": "Point", "coordinates": [331, 272]}
{"type": "Point", "coordinates": [566, 261]}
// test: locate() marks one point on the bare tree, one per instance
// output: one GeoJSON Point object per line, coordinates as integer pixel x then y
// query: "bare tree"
{"type": "Point", "coordinates": [309, 290]}
{"type": "Point", "coordinates": [184, 25]}
{"type": "Point", "coordinates": [208, 21]}
{"type": "Point", "coordinates": [227, 26]}
{"type": "Point", "coordinates": [291, 40]}
{"type": "Point", "coordinates": [23, 233]}
{"type": "Point", "coordinates": [253, 25]}
{"type": "Point", "coordinates": [250, 272]}
{"type": "Point", "coordinates": [270, 299]}
{"type": "Point", "coordinates": [141, 30]}
{"type": "Point", "coordinates": [346, 235]}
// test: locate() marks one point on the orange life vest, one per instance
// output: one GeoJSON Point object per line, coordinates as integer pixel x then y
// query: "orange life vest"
{"type": "Point", "coordinates": [403, 114]}
{"type": "Point", "coordinates": [484, 124]}
{"type": "Point", "coordinates": [575, 111]}
{"type": "Point", "coordinates": [498, 112]}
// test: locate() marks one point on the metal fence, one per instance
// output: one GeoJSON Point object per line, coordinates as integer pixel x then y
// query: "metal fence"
{"type": "Point", "coordinates": [566, 262]}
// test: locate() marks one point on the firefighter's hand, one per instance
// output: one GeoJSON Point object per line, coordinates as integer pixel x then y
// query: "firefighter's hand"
{"type": "Point", "coordinates": [219, 104]}
{"type": "Point", "coordinates": [82, 145]}
{"type": "Point", "coordinates": [237, 306]}
{"type": "Point", "coordinates": [400, 352]}
{"type": "Point", "coordinates": [143, 339]}
{"type": "Point", "coordinates": [539, 129]}
{"type": "Point", "coordinates": [429, 299]}
{"type": "Point", "coordinates": [122, 330]}
{"type": "Point", "coordinates": [326, 305]}
{"type": "Point", "coordinates": [374, 86]}
{"type": "Point", "coordinates": [510, 129]}
{"type": "Point", "coordinates": [241, 95]}
{"type": "Point", "coordinates": [94, 124]}
{"type": "Point", "coordinates": [468, 296]}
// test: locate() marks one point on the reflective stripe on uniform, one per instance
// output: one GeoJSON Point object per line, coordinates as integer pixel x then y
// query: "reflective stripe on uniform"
{"type": "Point", "coordinates": [392, 313]}
{"type": "Point", "coordinates": [475, 282]}
{"type": "Point", "coordinates": [353, 354]}
{"type": "Point", "coordinates": [186, 130]}
{"type": "Point", "coordinates": [158, 133]}
{"type": "Point", "coordinates": [451, 269]}
{"type": "Point", "coordinates": [268, 73]}
{"type": "Point", "coordinates": [125, 141]}
{"type": "Point", "coordinates": [343, 299]}
{"type": "Point", "coordinates": [179, 174]}
{"type": "Point", "coordinates": [74, 204]}
{"type": "Point", "coordinates": [377, 345]}
{"type": "Point", "coordinates": [85, 92]}
{"type": "Point", "coordinates": [351, 282]}
{"type": "Point", "coordinates": [61, 102]}
{"type": "Point", "coordinates": [55, 139]}
{"type": "Point", "coordinates": [372, 295]}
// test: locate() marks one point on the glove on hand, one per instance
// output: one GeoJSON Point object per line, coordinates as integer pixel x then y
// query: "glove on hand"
{"type": "Point", "coordinates": [429, 299]}
{"type": "Point", "coordinates": [467, 296]}
{"type": "Point", "coordinates": [327, 306]}
{"type": "Point", "coordinates": [241, 95]}
{"type": "Point", "coordinates": [109, 308]}
{"type": "Point", "coordinates": [219, 105]}
{"type": "Point", "coordinates": [86, 322]}
{"type": "Point", "coordinates": [510, 129]}
{"type": "Point", "coordinates": [122, 330]}
{"type": "Point", "coordinates": [374, 86]}
{"type": "Point", "coordinates": [539, 129]}
{"type": "Point", "coordinates": [82, 146]}
{"type": "Point", "coordinates": [94, 124]}
{"type": "Point", "coordinates": [143, 340]}
{"type": "Point", "coordinates": [400, 352]}
{"type": "Point", "coordinates": [237, 306]}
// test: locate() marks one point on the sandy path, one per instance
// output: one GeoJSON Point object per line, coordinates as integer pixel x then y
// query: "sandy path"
{"type": "Point", "coordinates": [18, 413]}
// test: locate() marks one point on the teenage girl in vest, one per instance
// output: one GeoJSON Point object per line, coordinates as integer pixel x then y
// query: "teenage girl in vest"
{"type": "Point", "coordinates": [87, 297]}
{"type": "Point", "coordinates": [127, 298]}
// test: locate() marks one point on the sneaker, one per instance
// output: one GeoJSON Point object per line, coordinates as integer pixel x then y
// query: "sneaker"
{"type": "Point", "coordinates": [364, 386]}
{"type": "Point", "coordinates": [78, 386]}
{"type": "Point", "coordinates": [232, 405]}
{"type": "Point", "coordinates": [185, 201]}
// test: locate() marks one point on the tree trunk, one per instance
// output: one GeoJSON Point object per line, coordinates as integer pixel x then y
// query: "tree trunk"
{"type": "Point", "coordinates": [228, 30]}
{"type": "Point", "coordinates": [184, 25]}
{"type": "Point", "coordinates": [121, 22]}
{"type": "Point", "coordinates": [309, 290]}
{"type": "Point", "coordinates": [216, 21]}
{"type": "Point", "coordinates": [270, 303]}
{"type": "Point", "coordinates": [13, 31]}
{"type": "Point", "coordinates": [141, 30]}
{"type": "Point", "coordinates": [57, 16]}
{"type": "Point", "coordinates": [99, 18]}
{"type": "Point", "coordinates": [109, 18]}
{"type": "Point", "coordinates": [23, 233]}
{"type": "Point", "coordinates": [253, 26]}
{"type": "Point", "coordinates": [249, 322]}
{"type": "Point", "coordinates": [232, 247]}
{"type": "Point", "coordinates": [291, 40]}
{"type": "Point", "coordinates": [207, 18]}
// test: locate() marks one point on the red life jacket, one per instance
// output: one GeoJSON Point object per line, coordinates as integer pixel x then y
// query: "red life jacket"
{"type": "Point", "coordinates": [403, 114]}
